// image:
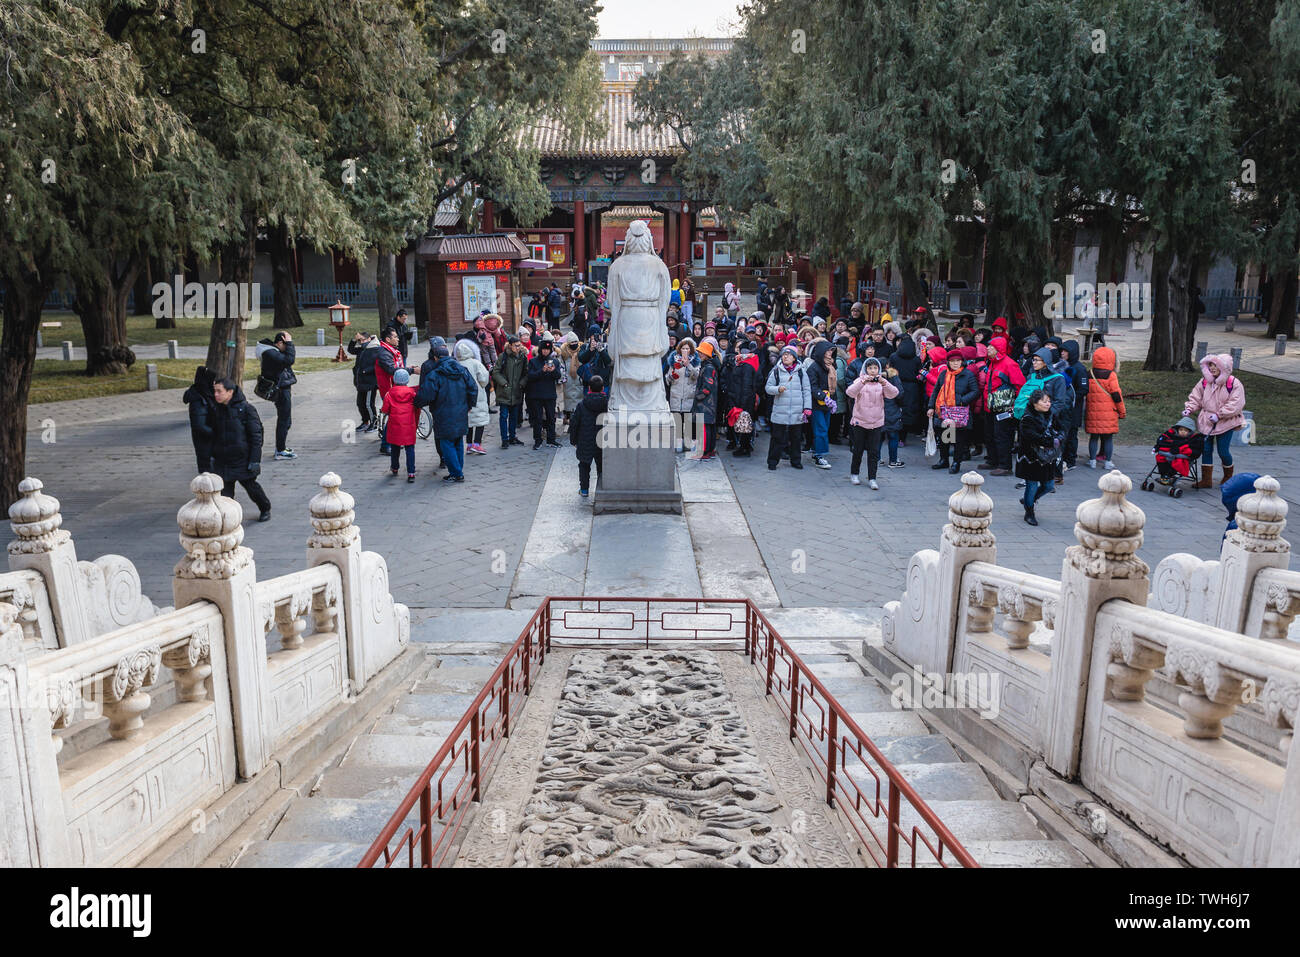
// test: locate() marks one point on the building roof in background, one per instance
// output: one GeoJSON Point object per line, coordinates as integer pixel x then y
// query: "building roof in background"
{"type": "Point", "coordinates": [704, 45]}
{"type": "Point", "coordinates": [447, 213]}
{"type": "Point", "coordinates": [472, 246]}
{"type": "Point", "coordinates": [619, 141]}
{"type": "Point", "coordinates": [632, 212]}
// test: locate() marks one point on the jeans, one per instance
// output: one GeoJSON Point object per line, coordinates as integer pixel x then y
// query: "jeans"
{"type": "Point", "coordinates": [366, 405]}
{"type": "Point", "coordinates": [509, 418]}
{"type": "Point", "coordinates": [254, 491]}
{"type": "Point", "coordinates": [1004, 435]}
{"type": "Point", "coordinates": [1225, 453]}
{"type": "Point", "coordinates": [1034, 491]}
{"type": "Point", "coordinates": [283, 419]}
{"type": "Point", "coordinates": [821, 422]}
{"type": "Point", "coordinates": [395, 453]}
{"type": "Point", "coordinates": [541, 413]}
{"type": "Point", "coordinates": [584, 472]}
{"type": "Point", "coordinates": [1107, 447]}
{"type": "Point", "coordinates": [785, 439]}
{"type": "Point", "coordinates": [453, 455]}
{"type": "Point", "coordinates": [892, 436]}
{"type": "Point", "coordinates": [866, 440]}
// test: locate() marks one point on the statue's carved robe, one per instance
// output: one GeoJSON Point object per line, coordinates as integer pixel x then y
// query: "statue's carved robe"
{"type": "Point", "coordinates": [639, 291]}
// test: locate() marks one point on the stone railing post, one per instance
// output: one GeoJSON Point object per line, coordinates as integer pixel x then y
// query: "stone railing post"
{"type": "Point", "coordinates": [43, 546]}
{"type": "Point", "coordinates": [33, 828]}
{"type": "Point", "coordinates": [219, 569]}
{"type": "Point", "coordinates": [1104, 565]}
{"type": "Point", "coordinates": [1254, 545]}
{"type": "Point", "coordinates": [337, 541]}
{"type": "Point", "coordinates": [966, 538]}
{"type": "Point", "coordinates": [1285, 851]}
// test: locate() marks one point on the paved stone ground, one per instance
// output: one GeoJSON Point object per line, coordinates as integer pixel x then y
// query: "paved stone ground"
{"type": "Point", "coordinates": [121, 468]}
{"type": "Point", "coordinates": [828, 543]}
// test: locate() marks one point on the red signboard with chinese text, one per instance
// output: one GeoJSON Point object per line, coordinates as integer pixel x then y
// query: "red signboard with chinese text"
{"type": "Point", "coordinates": [480, 265]}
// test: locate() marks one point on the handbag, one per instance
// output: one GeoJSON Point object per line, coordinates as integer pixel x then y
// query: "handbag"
{"type": "Point", "coordinates": [744, 423]}
{"type": "Point", "coordinates": [958, 415]}
{"type": "Point", "coordinates": [266, 388]}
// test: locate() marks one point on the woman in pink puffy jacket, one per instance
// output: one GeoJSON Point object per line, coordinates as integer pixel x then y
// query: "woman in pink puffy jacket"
{"type": "Point", "coordinates": [1217, 402]}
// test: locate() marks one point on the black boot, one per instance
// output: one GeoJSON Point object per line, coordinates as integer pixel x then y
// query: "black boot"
{"type": "Point", "coordinates": [1030, 518]}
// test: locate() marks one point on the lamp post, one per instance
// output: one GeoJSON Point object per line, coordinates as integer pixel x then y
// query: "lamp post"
{"type": "Point", "coordinates": [339, 319]}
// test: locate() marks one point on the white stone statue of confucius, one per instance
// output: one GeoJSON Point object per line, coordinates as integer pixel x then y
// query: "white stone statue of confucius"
{"type": "Point", "coordinates": [638, 296]}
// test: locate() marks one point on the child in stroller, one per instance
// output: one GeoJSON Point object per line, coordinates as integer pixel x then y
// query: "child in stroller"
{"type": "Point", "coordinates": [1177, 451]}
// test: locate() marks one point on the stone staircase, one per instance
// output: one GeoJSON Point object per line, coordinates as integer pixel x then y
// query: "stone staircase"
{"type": "Point", "coordinates": [991, 822]}
{"type": "Point", "coordinates": [335, 822]}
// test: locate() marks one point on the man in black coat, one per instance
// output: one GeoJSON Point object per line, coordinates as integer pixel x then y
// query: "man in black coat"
{"type": "Point", "coordinates": [366, 349]}
{"type": "Point", "coordinates": [584, 431]}
{"type": "Point", "coordinates": [744, 383]}
{"type": "Point", "coordinates": [555, 307]}
{"type": "Point", "coordinates": [277, 366]}
{"type": "Point", "coordinates": [237, 444]}
{"type": "Point", "coordinates": [539, 394]}
{"type": "Point", "coordinates": [203, 409]}
{"type": "Point", "coordinates": [404, 332]}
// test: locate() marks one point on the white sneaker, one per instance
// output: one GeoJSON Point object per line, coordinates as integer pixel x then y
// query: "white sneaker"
{"type": "Point", "coordinates": [1110, 464]}
{"type": "Point", "coordinates": [1092, 463]}
{"type": "Point", "coordinates": [871, 484]}
{"type": "Point", "coordinates": [855, 480]}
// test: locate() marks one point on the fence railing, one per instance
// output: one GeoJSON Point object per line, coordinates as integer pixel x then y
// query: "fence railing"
{"type": "Point", "coordinates": [882, 809]}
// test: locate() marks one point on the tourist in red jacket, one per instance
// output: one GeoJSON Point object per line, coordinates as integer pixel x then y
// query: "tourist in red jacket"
{"type": "Point", "coordinates": [399, 405]}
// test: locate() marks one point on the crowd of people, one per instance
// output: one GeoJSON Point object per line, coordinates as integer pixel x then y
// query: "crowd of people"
{"type": "Point", "coordinates": [1014, 396]}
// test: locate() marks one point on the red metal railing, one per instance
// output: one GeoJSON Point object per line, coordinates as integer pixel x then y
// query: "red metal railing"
{"type": "Point", "coordinates": [859, 779]}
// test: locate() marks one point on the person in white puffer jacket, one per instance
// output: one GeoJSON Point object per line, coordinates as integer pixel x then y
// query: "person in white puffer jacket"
{"type": "Point", "coordinates": [683, 370]}
{"type": "Point", "coordinates": [791, 394]}
{"type": "Point", "coordinates": [467, 355]}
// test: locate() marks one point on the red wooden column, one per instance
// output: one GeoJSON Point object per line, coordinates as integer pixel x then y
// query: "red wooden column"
{"type": "Point", "coordinates": [580, 238]}
{"type": "Point", "coordinates": [670, 241]}
{"type": "Point", "coordinates": [687, 224]}
{"type": "Point", "coordinates": [489, 216]}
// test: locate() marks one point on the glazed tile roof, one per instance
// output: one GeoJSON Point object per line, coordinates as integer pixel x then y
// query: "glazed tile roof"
{"type": "Point", "coordinates": [461, 246]}
{"type": "Point", "coordinates": [619, 141]}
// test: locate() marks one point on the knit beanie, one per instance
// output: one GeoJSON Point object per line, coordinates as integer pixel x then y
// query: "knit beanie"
{"type": "Point", "coordinates": [401, 377]}
{"type": "Point", "coordinates": [1188, 423]}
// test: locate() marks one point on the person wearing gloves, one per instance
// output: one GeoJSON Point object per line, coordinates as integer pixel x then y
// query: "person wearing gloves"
{"type": "Point", "coordinates": [791, 394]}
{"type": "Point", "coordinates": [237, 444]}
{"type": "Point", "coordinates": [869, 391]}
{"type": "Point", "coordinates": [1217, 401]}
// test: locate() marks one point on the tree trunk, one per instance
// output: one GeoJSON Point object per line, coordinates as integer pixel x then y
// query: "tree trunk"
{"type": "Point", "coordinates": [22, 320]}
{"type": "Point", "coordinates": [1180, 303]}
{"type": "Point", "coordinates": [1191, 319]}
{"type": "Point", "coordinates": [384, 286]}
{"type": "Point", "coordinates": [101, 306]}
{"type": "Point", "coordinates": [282, 284]}
{"type": "Point", "coordinates": [228, 339]}
{"type": "Point", "coordinates": [420, 300]}
{"type": "Point", "coordinates": [1281, 310]}
{"type": "Point", "coordinates": [914, 291]}
{"type": "Point", "coordinates": [143, 300]}
{"type": "Point", "coordinates": [1160, 349]}
{"type": "Point", "coordinates": [159, 272]}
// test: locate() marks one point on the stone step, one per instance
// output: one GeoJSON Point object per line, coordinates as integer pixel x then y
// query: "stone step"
{"type": "Point", "coordinates": [459, 680]}
{"type": "Point", "coordinates": [445, 706]}
{"type": "Point", "coordinates": [437, 728]}
{"type": "Point", "coordinates": [1039, 853]}
{"type": "Point", "coordinates": [391, 751]}
{"type": "Point", "coordinates": [487, 659]}
{"type": "Point", "coordinates": [301, 854]}
{"type": "Point", "coordinates": [948, 782]}
{"type": "Point", "coordinates": [337, 821]}
{"type": "Point", "coordinates": [977, 820]}
{"type": "Point", "coordinates": [373, 782]}
{"type": "Point", "coordinates": [917, 749]}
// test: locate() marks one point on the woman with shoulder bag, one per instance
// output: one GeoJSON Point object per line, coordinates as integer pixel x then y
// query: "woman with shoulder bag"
{"type": "Point", "coordinates": [1037, 452]}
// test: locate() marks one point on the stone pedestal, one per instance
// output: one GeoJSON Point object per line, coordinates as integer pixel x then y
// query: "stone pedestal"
{"type": "Point", "coordinates": [639, 464]}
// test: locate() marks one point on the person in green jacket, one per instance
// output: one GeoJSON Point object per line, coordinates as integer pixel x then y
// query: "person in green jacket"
{"type": "Point", "coordinates": [508, 379]}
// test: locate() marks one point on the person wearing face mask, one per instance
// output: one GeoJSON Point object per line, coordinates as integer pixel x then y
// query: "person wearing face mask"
{"type": "Point", "coordinates": [791, 394]}
{"type": "Point", "coordinates": [539, 394]}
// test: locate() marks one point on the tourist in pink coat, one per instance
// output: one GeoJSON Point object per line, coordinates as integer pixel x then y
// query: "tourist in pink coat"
{"type": "Point", "coordinates": [1217, 402]}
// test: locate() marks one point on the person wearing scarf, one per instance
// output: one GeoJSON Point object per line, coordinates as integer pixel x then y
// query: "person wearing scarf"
{"type": "Point", "coordinates": [957, 387]}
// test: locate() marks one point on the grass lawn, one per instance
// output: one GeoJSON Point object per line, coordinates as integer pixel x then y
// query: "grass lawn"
{"type": "Point", "coordinates": [54, 381]}
{"type": "Point", "coordinates": [1274, 402]}
{"type": "Point", "coordinates": [194, 332]}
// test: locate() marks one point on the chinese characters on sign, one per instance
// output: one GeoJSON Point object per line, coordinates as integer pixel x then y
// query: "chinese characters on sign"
{"type": "Point", "coordinates": [480, 265]}
{"type": "Point", "coordinates": [480, 293]}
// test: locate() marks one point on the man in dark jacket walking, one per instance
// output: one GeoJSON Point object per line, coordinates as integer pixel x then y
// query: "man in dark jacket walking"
{"type": "Point", "coordinates": [404, 332]}
{"type": "Point", "coordinates": [449, 391]}
{"type": "Point", "coordinates": [237, 444]}
{"type": "Point", "coordinates": [539, 394]}
{"type": "Point", "coordinates": [364, 380]}
{"type": "Point", "coordinates": [277, 367]}
{"type": "Point", "coordinates": [555, 308]}
{"type": "Point", "coordinates": [508, 378]}
{"type": "Point", "coordinates": [584, 431]}
{"type": "Point", "coordinates": [203, 410]}
{"type": "Point", "coordinates": [706, 397]}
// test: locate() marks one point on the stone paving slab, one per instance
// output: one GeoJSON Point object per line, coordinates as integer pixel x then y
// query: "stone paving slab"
{"type": "Point", "coordinates": [641, 555]}
{"type": "Point", "coordinates": [828, 543]}
{"type": "Point", "coordinates": [445, 544]}
{"type": "Point", "coordinates": [301, 854]}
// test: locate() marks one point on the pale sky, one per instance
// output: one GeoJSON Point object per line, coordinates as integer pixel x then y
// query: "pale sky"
{"type": "Point", "coordinates": [626, 19]}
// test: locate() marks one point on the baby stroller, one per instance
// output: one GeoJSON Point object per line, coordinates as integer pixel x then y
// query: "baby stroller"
{"type": "Point", "coordinates": [1171, 484]}
{"type": "Point", "coordinates": [1179, 448]}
